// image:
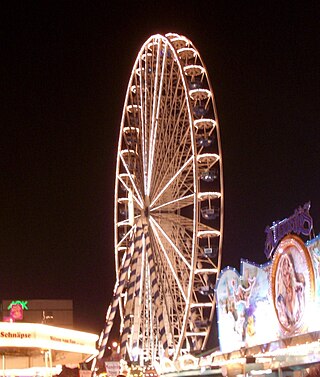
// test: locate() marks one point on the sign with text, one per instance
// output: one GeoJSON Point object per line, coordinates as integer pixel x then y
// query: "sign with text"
{"type": "Point", "coordinates": [299, 223]}
{"type": "Point", "coordinates": [36, 335]}
{"type": "Point", "coordinates": [112, 368]}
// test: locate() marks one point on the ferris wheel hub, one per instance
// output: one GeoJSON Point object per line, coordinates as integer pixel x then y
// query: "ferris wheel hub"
{"type": "Point", "coordinates": [146, 206]}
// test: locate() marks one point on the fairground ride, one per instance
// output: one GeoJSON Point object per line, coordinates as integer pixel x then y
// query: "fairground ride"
{"type": "Point", "coordinates": [168, 213]}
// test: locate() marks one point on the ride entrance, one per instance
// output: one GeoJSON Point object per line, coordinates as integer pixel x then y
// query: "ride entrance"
{"type": "Point", "coordinates": [168, 219]}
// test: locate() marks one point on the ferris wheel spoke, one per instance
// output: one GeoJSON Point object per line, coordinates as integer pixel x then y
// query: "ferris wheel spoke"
{"type": "Point", "coordinates": [172, 297]}
{"type": "Point", "coordinates": [184, 184]}
{"type": "Point", "coordinates": [168, 107]}
{"type": "Point", "coordinates": [156, 109]}
{"type": "Point", "coordinates": [173, 292]}
{"type": "Point", "coordinates": [156, 292]}
{"type": "Point", "coordinates": [186, 164]}
{"type": "Point", "coordinates": [176, 161]}
{"type": "Point", "coordinates": [176, 204]}
{"type": "Point", "coordinates": [156, 227]}
{"type": "Point", "coordinates": [166, 154]}
{"type": "Point", "coordinates": [174, 289]}
{"type": "Point", "coordinates": [169, 262]}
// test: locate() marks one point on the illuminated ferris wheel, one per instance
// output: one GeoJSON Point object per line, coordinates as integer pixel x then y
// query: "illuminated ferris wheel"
{"type": "Point", "coordinates": [168, 204]}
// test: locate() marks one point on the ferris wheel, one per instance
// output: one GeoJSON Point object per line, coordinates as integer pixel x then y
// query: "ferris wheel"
{"type": "Point", "coordinates": [168, 217]}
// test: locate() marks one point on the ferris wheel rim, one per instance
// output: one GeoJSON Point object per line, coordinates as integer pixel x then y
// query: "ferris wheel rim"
{"type": "Point", "coordinates": [138, 200]}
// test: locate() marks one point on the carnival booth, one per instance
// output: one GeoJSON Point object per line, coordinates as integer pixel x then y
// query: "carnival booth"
{"type": "Point", "coordinates": [270, 313]}
{"type": "Point", "coordinates": [33, 349]}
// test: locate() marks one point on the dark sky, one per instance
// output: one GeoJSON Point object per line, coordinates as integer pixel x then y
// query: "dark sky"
{"type": "Point", "coordinates": [65, 66]}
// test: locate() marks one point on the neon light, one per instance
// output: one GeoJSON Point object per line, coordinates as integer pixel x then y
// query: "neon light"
{"type": "Point", "coordinates": [24, 304]}
{"type": "Point", "coordinates": [299, 223]}
{"type": "Point", "coordinates": [16, 312]}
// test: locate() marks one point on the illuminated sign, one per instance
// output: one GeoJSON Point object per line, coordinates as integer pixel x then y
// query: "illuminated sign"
{"type": "Point", "coordinates": [266, 303]}
{"type": "Point", "coordinates": [34, 335]}
{"type": "Point", "coordinates": [299, 223]}
{"type": "Point", "coordinates": [24, 304]}
{"type": "Point", "coordinates": [16, 312]}
{"type": "Point", "coordinates": [18, 334]}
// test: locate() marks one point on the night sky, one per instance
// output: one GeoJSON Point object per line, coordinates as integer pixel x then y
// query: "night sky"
{"type": "Point", "coordinates": [65, 67]}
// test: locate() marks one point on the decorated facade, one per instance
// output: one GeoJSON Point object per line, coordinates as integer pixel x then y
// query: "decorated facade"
{"type": "Point", "coordinates": [277, 300]}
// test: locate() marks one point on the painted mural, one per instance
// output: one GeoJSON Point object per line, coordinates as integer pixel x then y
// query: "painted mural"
{"type": "Point", "coordinates": [267, 302]}
{"type": "Point", "coordinates": [292, 284]}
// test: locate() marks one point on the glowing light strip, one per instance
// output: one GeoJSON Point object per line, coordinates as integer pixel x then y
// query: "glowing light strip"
{"type": "Point", "coordinates": [213, 233]}
{"type": "Point", "coordinates": [206, 270]}
{"type": "Point", "coordinates": [202, 305]}
{"type": "Point", "coordinates": [209, 195]}
{"type": "Point", "coordinates": [123, 223]}
{"type": "Point", "coordinates": [180, 38]}
{"type": "Point", "coordinates": [172, 202]}
{"type": "Point", "coordinates": [123, 200]}
{"type": "Point", "coordinates": [209, 156]}
{"type": "Point", "coordinates": [204, 120]}
{"type": "Point", "coordinates": [192, 67]}
{"type": "Point", "coordinates": [196, 91]}
{"type": "Point", "coordinates": [133, 107]}
{"type": "Point", "coordinates": [200, 333]}
{"type": "Point", "coordinates": [152, 222]}
{"type": "Point", "coordinates": [128, 130]}
{"type": "Point", "coordinates": [172, 35]}
{"type": "Point", "coordinates": [206, 123]}
{"type": "Point", "coordinates": [187, 49]}
{"type": "Point", "coordinates": [172, 179]}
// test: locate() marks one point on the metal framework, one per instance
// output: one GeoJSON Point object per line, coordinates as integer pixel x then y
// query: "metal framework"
{"type": "Point", "coordinates": [168, 205]}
